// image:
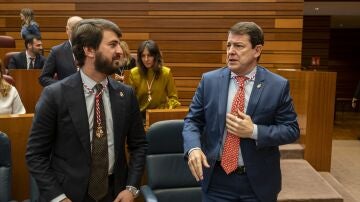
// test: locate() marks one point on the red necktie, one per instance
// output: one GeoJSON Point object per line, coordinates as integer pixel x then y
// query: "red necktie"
{"type": "Point", "coordinates": [229, 158]}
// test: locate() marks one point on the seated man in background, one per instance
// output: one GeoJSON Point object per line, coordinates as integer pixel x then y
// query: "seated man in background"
{"type": "Point", "coordinates": [61, 60]}
{"type": "Point", "coordinates": [31, 58]}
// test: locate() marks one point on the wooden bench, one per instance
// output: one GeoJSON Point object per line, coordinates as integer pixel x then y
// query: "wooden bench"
{"type": "Point", "coordinates": [17, 127]}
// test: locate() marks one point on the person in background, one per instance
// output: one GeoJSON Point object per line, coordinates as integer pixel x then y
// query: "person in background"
{"type": "Point", "coordinates": [28, 24]}
{"type": "Point", "coordinates": [31, 58]}
{"type": "Point", "coordinates": [356, 96]}
{"type": "Point", "coordinates": [61, 62]}
{"type": "Point", "coordinates": [85, 124]}
{"type": "Point", "coordinates": [238, 117]}
{"type": "Point", "coordinates": [153, 82]}
{"type": "Point", "coordinates": [128, 62]}
{"type": "Point", "coordinates": [10, 102]}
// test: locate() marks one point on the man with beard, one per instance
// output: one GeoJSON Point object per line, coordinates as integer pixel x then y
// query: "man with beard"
{"type": "Point", "coordinates": [76, 148]}
{"type": "Point", "coordinates": [31, 58]}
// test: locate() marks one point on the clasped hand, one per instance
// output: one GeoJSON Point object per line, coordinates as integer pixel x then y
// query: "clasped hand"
{"type": "Point", "coordinates": [239, 124]}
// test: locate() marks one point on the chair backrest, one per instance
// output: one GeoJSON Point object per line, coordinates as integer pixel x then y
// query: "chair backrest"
{"type": "Point", "coordinates": [7, 57]}
{"type": "Point", "coordinates": [7, 42]}
{"type": "Point", "coordinates": [5, 168]}
{"type": "Point", "coordinates": [167, 171]}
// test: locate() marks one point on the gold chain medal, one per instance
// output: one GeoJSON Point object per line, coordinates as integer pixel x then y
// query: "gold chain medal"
{"type": "Point", "coordinates": [99, 132]}
{"type": "Point", "coordinates": [149, 96]}
{"type": "Point", "coordinates": [149, 88]}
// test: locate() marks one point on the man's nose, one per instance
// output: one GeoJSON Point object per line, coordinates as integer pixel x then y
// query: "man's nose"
{"type": "Point", "coordinates": [119, 50]}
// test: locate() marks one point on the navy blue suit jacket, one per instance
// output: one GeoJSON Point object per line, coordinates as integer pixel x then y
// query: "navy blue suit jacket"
{"type": "Point", "coordinates": [19, 61]}
{"type": "Point", "coordinates": [270, 107]}
{"type": "Point", "coordinates": [59, 149]}
{"type": "Point", "coordinates": [60, 62]}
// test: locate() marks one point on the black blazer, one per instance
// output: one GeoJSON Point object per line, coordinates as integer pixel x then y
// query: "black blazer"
{"type": "Point", "coordinates": [19, 61]}
{"type": "Point", "coordinates": [60, 62]}
{"type": "Point", "coordinates": [58, 151]}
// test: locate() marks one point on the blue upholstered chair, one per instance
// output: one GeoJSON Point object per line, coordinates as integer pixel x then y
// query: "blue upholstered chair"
{"type": "Point", "coordinates": [168, 175]}
{"type": "Point", "coordinates": [5, 168]}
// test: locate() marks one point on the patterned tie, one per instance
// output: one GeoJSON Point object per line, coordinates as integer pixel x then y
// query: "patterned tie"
{"type": "Point", "coordinates": [229, 158]}
{"type": "Point", "coordinates": [31, 65]}
{"type": "Point", "coordinates": [98, 183]}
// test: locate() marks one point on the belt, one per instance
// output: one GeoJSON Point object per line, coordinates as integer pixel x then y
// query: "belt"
{"type": "Point", "coordinates": [240, 170]}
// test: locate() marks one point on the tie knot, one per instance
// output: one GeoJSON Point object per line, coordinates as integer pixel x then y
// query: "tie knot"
{"type": "Point", "coordinates": [32, 59]}
{"type": "Point", "coordinates": [99, 87]}
{"type": "Point", "coordinates": [241, 80]}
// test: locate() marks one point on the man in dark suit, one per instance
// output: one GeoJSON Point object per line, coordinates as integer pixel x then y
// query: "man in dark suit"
{"type": "Point", "coordinates": [69, 122]}
{"type": "Point", "coordinates": [239, 116]}
{"type": "Point", "coordinates": [31, 58]}
{"type": "Point", "coordinates": [61, 62]}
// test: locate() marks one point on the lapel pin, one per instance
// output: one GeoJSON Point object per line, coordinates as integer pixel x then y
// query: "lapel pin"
{"type": "Point", "coordinates": [259, 85]}
{"type": "Point", "coordinates": [121, 94]}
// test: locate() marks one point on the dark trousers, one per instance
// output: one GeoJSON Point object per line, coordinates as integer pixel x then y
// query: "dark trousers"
{"type": "Point", "coordinates": [110, 196]}
{"type": "Point", "coordinates": [229, 188]}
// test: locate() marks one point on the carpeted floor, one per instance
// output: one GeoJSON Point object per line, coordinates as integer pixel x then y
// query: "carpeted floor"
{"type": "Point", "coordinates": [345, 165]}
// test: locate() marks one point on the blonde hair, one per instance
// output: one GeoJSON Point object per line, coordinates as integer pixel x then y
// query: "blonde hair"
{"type": "Point", "coordinates": [28, 14]}
{"type": "Point", "coordinates": [126, 51]}
{"type": "Point", "coordinates": [4, 86]}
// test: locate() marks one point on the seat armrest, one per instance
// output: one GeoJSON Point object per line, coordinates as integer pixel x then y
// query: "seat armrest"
{"type": "Point", "coordinates": [5, 183]}
{"type": "Point", "coordinates": [148, 194]}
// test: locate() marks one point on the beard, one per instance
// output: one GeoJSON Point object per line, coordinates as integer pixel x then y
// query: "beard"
{"type": "Point", "coordinates": [104, 65]}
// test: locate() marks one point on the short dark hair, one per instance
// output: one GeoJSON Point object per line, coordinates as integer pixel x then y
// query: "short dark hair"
{"type": "Point", "coordinates": [254, 31]}
{"type": "Point", "coordinates": [155, 52]}
{"type": "Point", "coordinates": [89, 33]}
{"type": "Point", "coordinates": [29, 39]}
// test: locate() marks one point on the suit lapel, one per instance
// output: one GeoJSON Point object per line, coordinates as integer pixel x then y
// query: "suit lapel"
{"type": "Point", "coordinates": [117, 96]}
{"type": "Point", "coordinates": [23, 60]}
{"type": "Point", "coordinates": [74, 92]}
{"type": "Point", "coordinates": [223, 84]}
{"type": "Point", "coordinates": [69, 53]}
{"type": "Point", "coordinates": [257, 89]}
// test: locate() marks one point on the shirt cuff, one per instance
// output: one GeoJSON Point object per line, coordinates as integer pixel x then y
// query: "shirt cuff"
{"type": "Point", "coordinates": [195, 148]}
{"type": "Point", "coordinates": [59, 198]}
{"type": "Point", "coordinates": [255, 133]}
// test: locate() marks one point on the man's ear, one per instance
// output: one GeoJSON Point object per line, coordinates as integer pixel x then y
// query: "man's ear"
{"type": "Point", "coordinates": [258, 49]}
{"type": "Point", "coordinates": [89, 52]}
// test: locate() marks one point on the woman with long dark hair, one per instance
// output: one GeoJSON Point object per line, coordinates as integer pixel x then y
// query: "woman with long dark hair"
{"type": "Point", "coordinates": [153, 82]}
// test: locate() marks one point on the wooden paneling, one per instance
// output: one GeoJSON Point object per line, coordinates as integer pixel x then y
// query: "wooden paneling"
{"type": "Point", "coordinates": [27, 84]}
{"type": "Point", "coordinates": [316, 38]}
{"type": "Point", "coordinates": [201, 25]}
{"type": "Point", "coordinates": [313, 95]}
{"type": "Point", "coordinates": [17, 127]}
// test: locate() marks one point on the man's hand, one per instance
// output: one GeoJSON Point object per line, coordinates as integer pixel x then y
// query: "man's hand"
{"type": "Point", "coordinates": [240, 125]}
{"type": "Point", "coordinates": [197, 160]}
{"type": "Point", "coordinates": [124, 196]}
{"type": "Point", "coordinates": [353, 103]}
{"type": "Point", "coordinates": [65, 200]}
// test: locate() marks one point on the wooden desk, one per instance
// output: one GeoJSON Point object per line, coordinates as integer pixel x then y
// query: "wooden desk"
{"type": "Point", "coordinates": [17, 127]}
{"type": "Point", "coordinates": [27, 84]}
{"type": "Point", "coordinates": [313, 94]}
{"type": "Point", "coordinates": [155, 115]}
